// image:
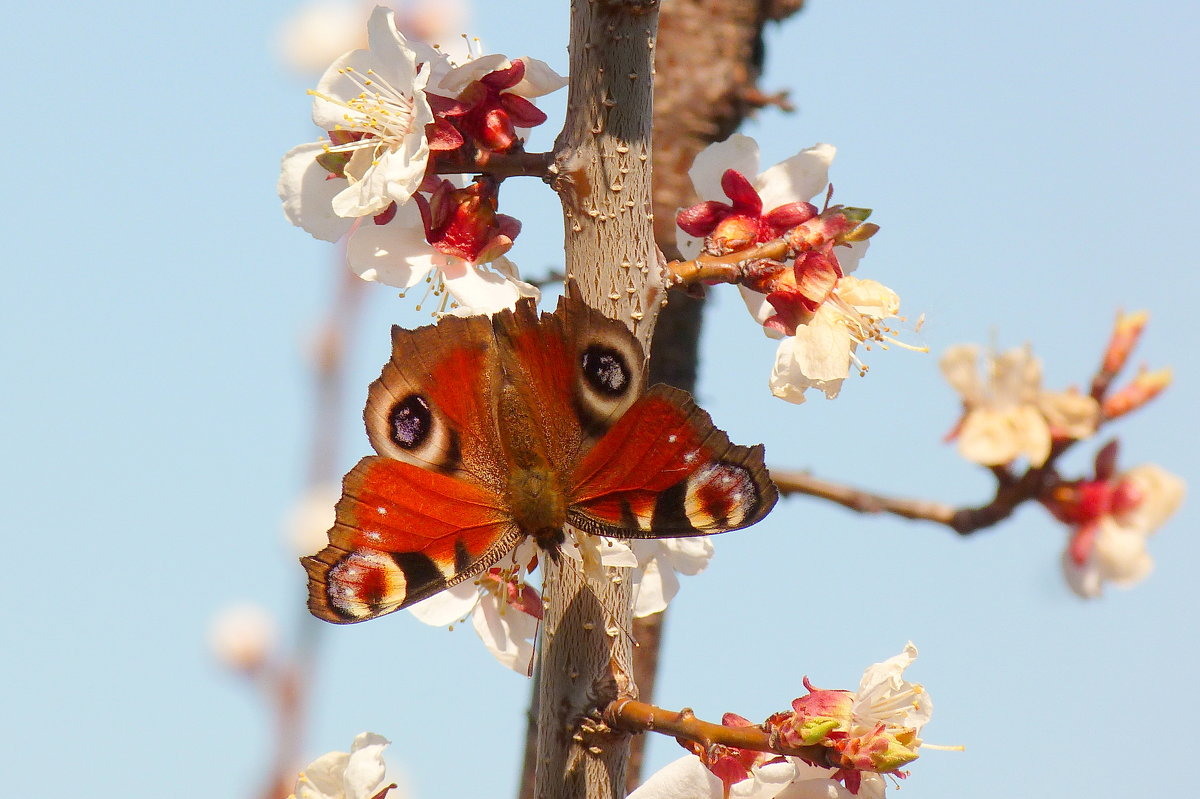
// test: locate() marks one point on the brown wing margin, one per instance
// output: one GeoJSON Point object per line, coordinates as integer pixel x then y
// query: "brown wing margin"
{"type": "Point", "coordinates": [402, 534]}
{"type": "Point", "coordinates": [665, 471]}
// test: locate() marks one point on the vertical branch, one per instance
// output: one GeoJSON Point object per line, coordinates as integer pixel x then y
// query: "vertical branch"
{"type": "Point", "coordinates": [707, 64]}
{"type": "Point", "coordinates": [602, 161]}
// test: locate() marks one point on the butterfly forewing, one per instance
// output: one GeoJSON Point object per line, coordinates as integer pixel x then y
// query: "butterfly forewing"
{"type": "Point", "coordinates": [434, 405]}
{"type": "Point", "coordinates": [402, 534]}
{"type": "Point", "coordinates": [575, 370]}
{"type": "Point", "coordinates": [665, 471]}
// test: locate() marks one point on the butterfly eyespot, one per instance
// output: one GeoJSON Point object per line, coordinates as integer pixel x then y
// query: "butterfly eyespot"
{"type": "Point", "coordinates": [720, 496]}
{"type": "Point", "coordinates": [411, 421]}
{"type": "Point", "coordinates": [606, 370]}
{"type": "Point", "coordinates": [364, 583]}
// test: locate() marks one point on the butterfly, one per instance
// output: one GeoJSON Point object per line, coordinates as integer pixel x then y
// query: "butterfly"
{"type": "Point", "coordinates": [494, 430]}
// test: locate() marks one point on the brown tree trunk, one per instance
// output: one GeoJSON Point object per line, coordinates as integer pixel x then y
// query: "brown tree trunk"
{"type": "Point", "coordinates": [603, 166]}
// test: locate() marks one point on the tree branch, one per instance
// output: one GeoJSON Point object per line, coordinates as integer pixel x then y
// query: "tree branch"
{"type": "Point", "coordinates": [1009, 495]}
{"type": "Point", "coordinates": [634, 716]}
{"type": "Point", "coordinates": [602, 174]}
{"type": "Point", "coordinates": [707, 60]}
{"type": "Point", "coordinates": [499, 165]}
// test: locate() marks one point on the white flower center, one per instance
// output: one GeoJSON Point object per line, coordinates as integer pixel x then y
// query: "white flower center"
{"type": "Point", "coordinates": [890, 708]}
{"type": "Point", "coordinates": [380, 110]}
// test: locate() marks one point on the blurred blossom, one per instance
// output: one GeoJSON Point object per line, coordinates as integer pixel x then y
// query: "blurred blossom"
{"type": "Point", "coordinates": [357, 774]}
{"type": "Point", "coordinates": [308, 524]}
{"type": "Point", "coordinates": [1006, 414]}
{"type": "Point", "coordinates": [1112, 516]}
{"type": "Point", "coordinates": [318, 32]}
{"type": "Point", "coordinates": [243, 636]}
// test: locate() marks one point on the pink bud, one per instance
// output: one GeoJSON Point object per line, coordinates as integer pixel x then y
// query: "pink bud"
{"type": "Point", "coordinates": [742, 193]}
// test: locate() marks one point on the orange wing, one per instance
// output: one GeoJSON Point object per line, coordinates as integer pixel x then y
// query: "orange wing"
{"type": "Point", "coordinates": [664, 471]}
{"type": "Point", "coordinates": [402, 534]}
{"type": "Point", "coordinates": [575, 371]}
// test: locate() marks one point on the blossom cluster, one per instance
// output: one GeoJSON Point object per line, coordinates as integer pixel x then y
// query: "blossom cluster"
{"type": "Point", "coordinates": [849, 740]}
{"type": "Point", "coordinates": [1111, 515]}
{"type": "Point", "coordinates": [808, 299]}
{"type": "Point", "coordinates": [393, 113]}
{"type": "Point", "coordinates": [1007, 415]}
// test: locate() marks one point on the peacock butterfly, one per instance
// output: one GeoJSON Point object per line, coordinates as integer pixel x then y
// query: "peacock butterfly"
{"type": "Point", "coordinates": [494, 429]}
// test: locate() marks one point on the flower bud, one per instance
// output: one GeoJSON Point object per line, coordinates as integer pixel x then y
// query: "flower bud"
{"type": "Point", "coordinates": [1126, 332]}
{"type": "Point", "coordinates": [815, 716]}
{"type": "Point", "coordinates": [1145, 387]}
{"type": "Point", "coordinates": [879, 751]}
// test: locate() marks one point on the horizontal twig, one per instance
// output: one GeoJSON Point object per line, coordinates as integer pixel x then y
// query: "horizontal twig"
{"type": "Point", "coordinates": [631, 715]}
{"type": "Point", "coordinates": [498, 165]}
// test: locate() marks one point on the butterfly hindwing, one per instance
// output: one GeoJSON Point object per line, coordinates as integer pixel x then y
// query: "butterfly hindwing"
{"type": "Point", "coordinates": [402, 534]}
{"type": "Point", "coordinates": [664, 471]}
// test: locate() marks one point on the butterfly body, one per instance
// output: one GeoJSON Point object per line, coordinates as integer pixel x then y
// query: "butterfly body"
{"type": "Point", "coordinates": [491, 430]}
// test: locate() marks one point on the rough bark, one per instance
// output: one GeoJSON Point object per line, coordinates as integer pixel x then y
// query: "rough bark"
{"type": "Point", "coordinates": [602, 159]}
{"type": "Point", "coordinates": [707, 64]}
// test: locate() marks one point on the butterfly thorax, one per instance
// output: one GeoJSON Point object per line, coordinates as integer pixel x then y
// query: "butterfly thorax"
{"type": "Point", "coordinates": [536, 495]}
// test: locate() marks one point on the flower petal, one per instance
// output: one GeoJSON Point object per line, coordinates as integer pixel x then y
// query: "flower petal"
{"type": "Point", "coordinates": [396, 253]}
{"type": "Point", "coordinates": [539, 79]}
{"type": "Point", "coordinates": [738, 152]}
{"type": "Point", "coordinates": [1016, 376]}
{"type": "Point", "coordinates": [655, 585]}
{"type": "Point", "coordinates": [1162, 493]}
{"type": "Point", "coordinates": [1032, 433]}
{"type": "Point", "coordinates": [1069, 413]}
{"type": "Point", "coordinates": [801, 177]}
{"type": "Point", "coordinates": [685, 778]}
{"type": "Point", "coordinates": [389, 46]}
{"type": "Point", "coordinates": [1084, 580]}
{"type": "Point", "coordinates": [366, 768]}
{"type": "Point", "coordinates": [849, 255]}
{"type": "Point", "coordinates": [960, 367]}
{"type": "Point", "coordinates": [447, 607]}
{"type": "Point", "coordinates": [688, 556]}
{"type": "Point", "coordinates": [322, 778]}
{"type": "Point", "coordinates": [460, 77]}
{"type": "Point", "coordinates": [508, 634]}
{"type": "Point", "coordinates": [1120, 554]}
{"type": "Point", "coordinates": [307, 193]}
{"type": "Point", "coordinates": [821, 348]}
{"type": "Point", "coordinates": [985, 437]}
{"type": "Point", "coordinates": [480, 290]}
{"type": "Point", "coordinates": [868, 297]}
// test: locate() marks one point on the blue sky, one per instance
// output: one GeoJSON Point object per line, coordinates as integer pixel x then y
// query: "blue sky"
{"type": "Point", "coordinates": [1033, 167]}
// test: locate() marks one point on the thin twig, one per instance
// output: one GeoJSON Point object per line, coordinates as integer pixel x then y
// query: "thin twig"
{"type": "Point", "coordinates": [856, 499]}
{"type": "Point", "coordinates": [631, 715]}
{"type": "Point", "coordinates": [499, 165]}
